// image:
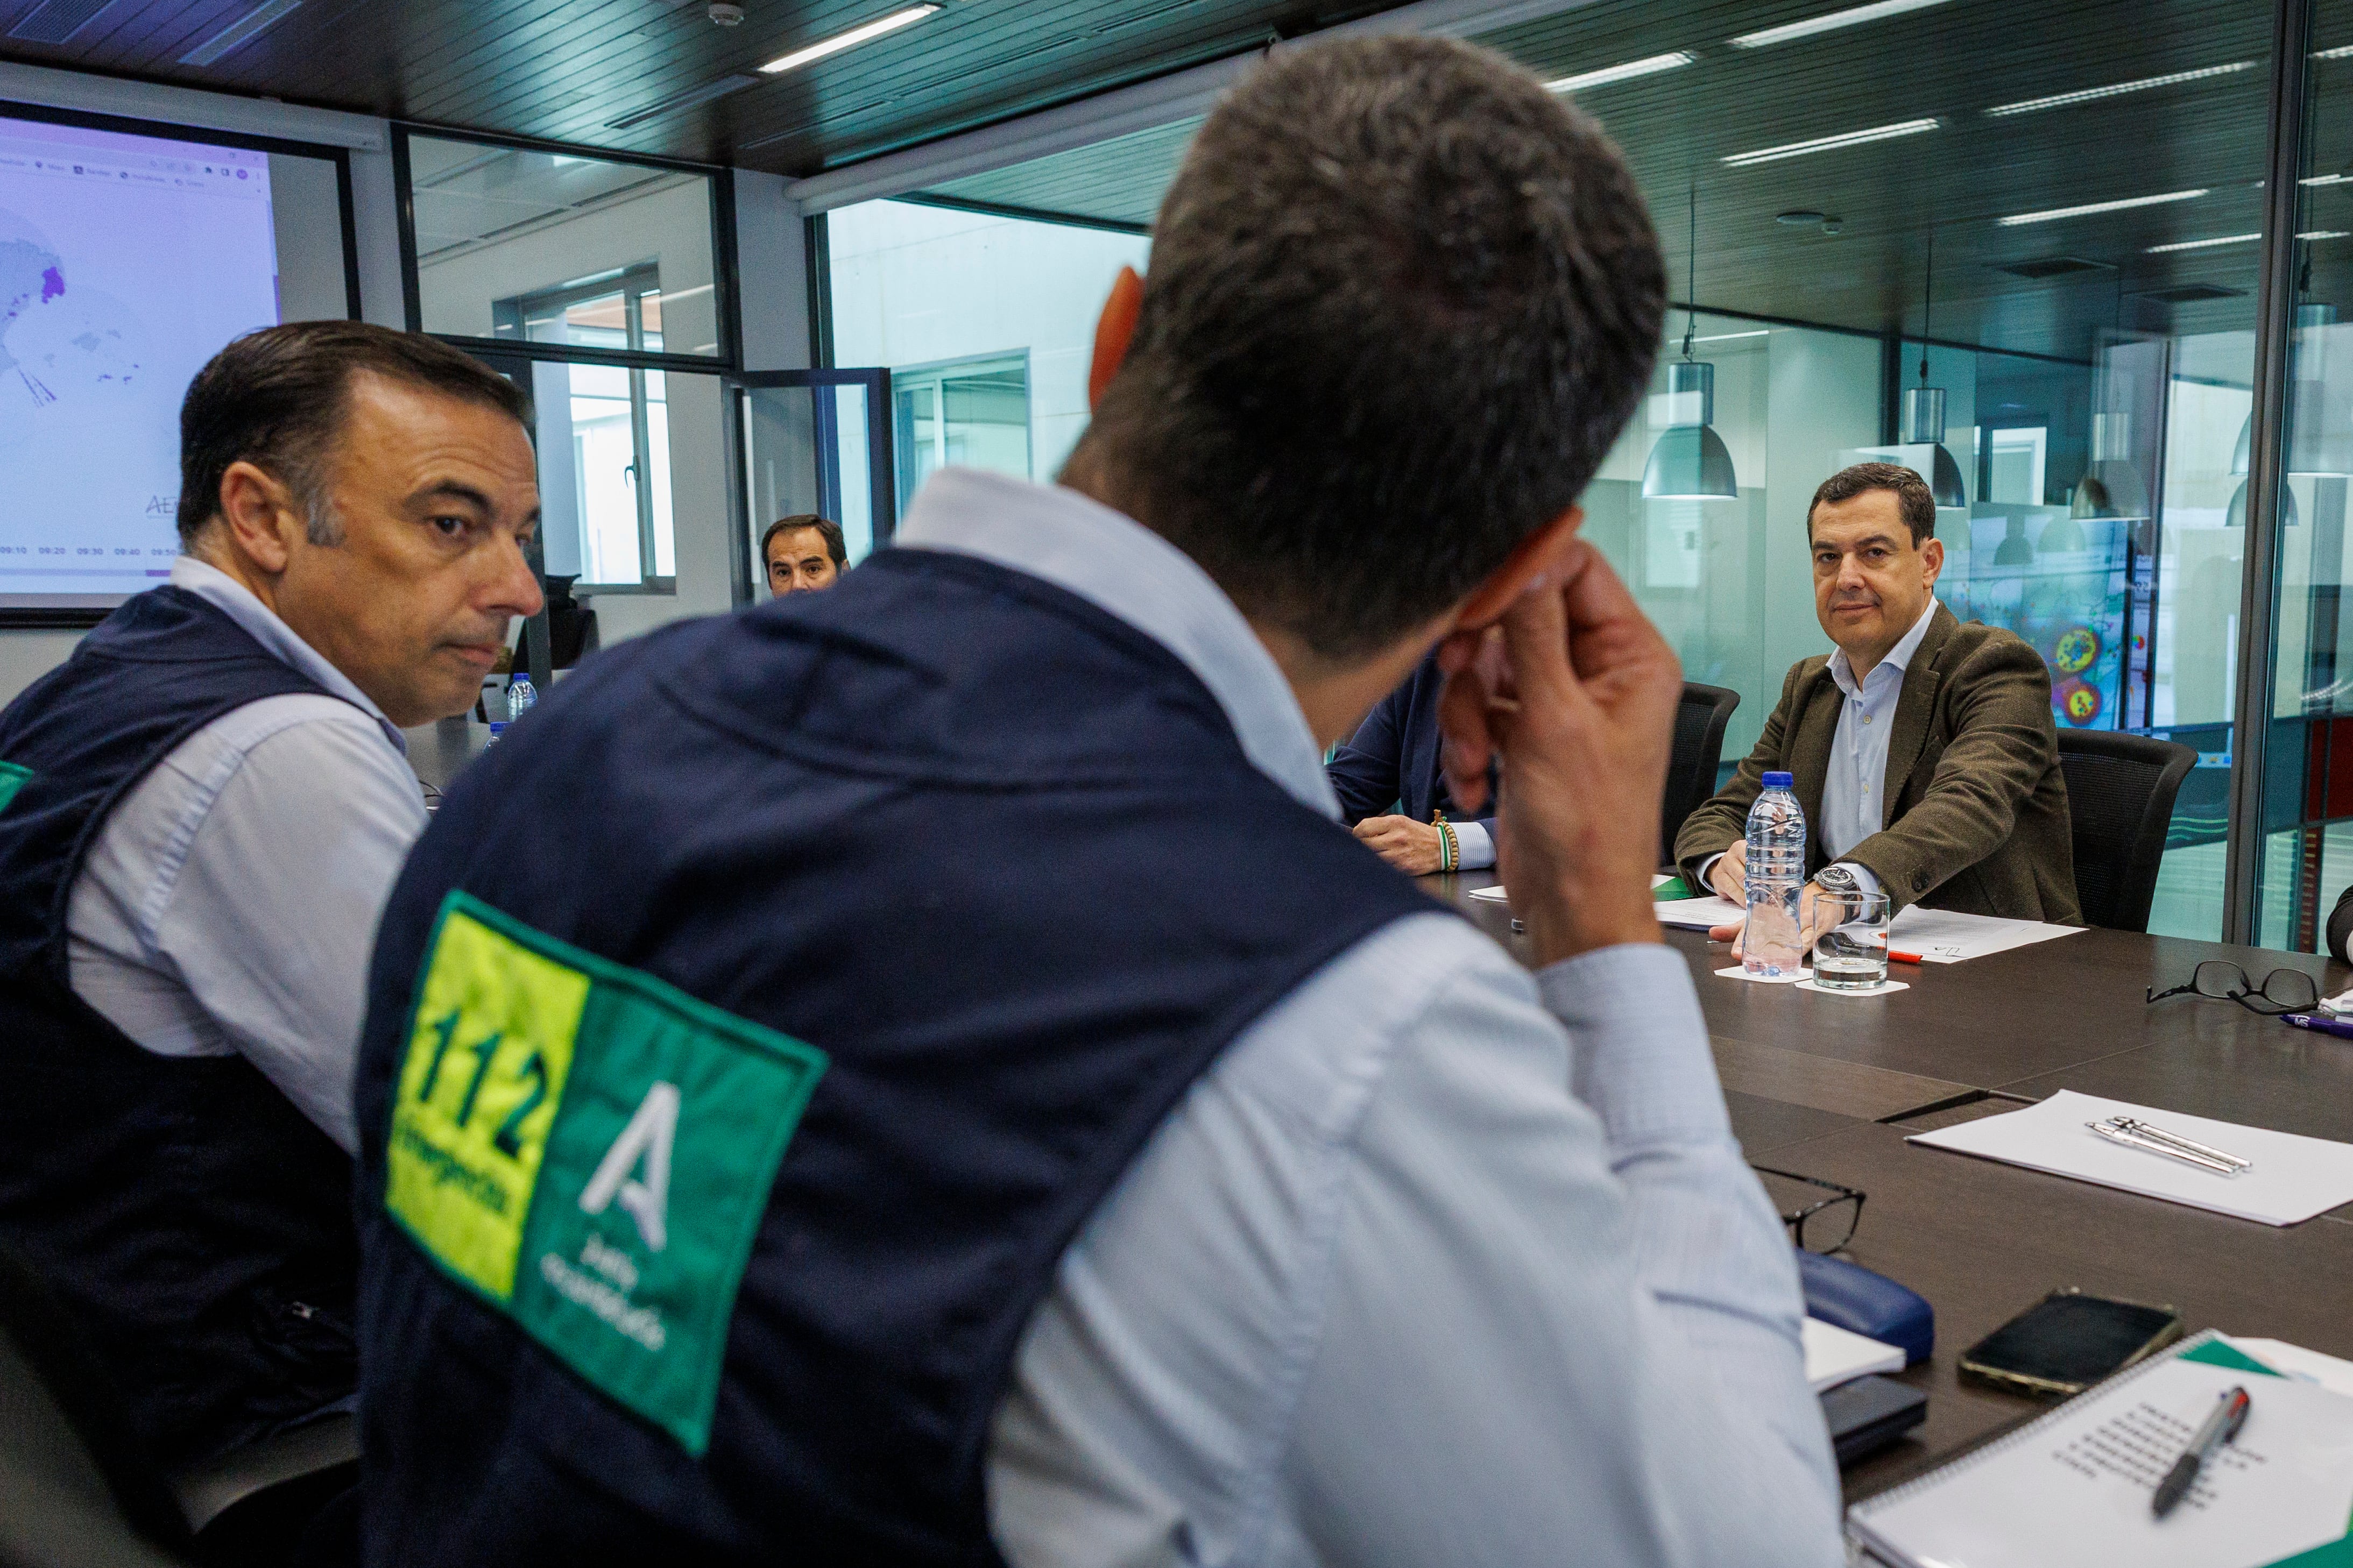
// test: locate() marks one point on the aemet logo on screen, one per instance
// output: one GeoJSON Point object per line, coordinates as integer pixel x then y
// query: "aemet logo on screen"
{"type": "Point", "coordinates": [125, 263]}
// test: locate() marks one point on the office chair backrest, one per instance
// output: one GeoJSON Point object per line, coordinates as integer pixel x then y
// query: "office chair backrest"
{"type": "Point", "coordinates": [2120, 791]}
{"type": "Point", "coordinates": [76, 1486]}
{"type": "Point", "coordinates": [1699, 720]}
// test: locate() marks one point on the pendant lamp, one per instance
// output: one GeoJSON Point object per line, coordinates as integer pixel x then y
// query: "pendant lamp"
{"type": "Point", "coordinates": [1690, 461]}
{"type": "Point", "coordinates": [1924, 406]}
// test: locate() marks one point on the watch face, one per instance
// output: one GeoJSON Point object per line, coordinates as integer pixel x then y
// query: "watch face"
{"type": "Point", "coordinates": [1839, 878]}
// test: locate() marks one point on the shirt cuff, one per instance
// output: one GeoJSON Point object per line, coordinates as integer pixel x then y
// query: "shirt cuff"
{"type": "Point", "coordinates": [1706, 871]}
{"type": "Point", "coordinates": [1865, 876]}
{"type": "Point", "coordinates": [1476, 845]}
{"type": "Point", "coordinates": [1639, 1056]}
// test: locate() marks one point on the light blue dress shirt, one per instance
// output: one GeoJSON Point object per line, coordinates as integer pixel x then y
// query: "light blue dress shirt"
{"type": "Point", "coordinates": [1855, 786]}
{"type": "Point", "coordinates": [229, 903]}
{"type": "Point", "coordinates": [1855, 790]}
{"type": "Point", "coordinates": [1442, 1262]}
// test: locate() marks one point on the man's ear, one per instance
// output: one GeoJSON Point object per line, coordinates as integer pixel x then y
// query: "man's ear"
{"type": "Point", "coordinates": [1536, 556]}
{"type": "Point", "coordinates": [1932, 555]}
{"type": "Point", "coordinates": [258, 516]}
{"type": "Point", "coordinates": [1113, 331]}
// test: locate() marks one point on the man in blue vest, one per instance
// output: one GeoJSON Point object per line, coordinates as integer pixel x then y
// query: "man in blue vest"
{"type": "Point", "coordinates": [1394, 759]}
{"type": "Point", "coordinates": [917, 1074]}
{"type": "Point", "coordinates": [201, 813]}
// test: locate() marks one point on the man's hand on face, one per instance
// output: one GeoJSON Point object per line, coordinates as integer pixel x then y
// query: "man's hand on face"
{"type": "Point", "coordinates": [1575, 692]}
{"type": "Point", "coordinates": [1411, 846]}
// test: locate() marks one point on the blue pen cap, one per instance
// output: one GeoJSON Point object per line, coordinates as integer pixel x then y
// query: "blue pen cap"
{"type": "Point", "coordinates": [1780, 781]}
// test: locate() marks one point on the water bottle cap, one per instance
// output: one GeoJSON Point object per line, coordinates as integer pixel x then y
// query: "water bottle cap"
{"type": "Point", "coordinates": [498, 728]}
{"type": "Point", "coordinates": [1780, 781]}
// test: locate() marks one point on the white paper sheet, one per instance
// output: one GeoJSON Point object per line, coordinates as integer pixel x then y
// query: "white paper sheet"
{"type": "Point", "coordinates": [2294, 1361]}
{"type": "Point", "coordinates": [1497, 895]}
{"type": "Point", "coordinates": [1699, 914]}
{"type": "Point", "coordinates": [1836, 1355]}
{"type": "Point", "coordinates": [1948, 936]}
{"type": "Point", "coordinates": [2293, 1179]}
{"type": "Point", "coordinates": [2075, 1488]}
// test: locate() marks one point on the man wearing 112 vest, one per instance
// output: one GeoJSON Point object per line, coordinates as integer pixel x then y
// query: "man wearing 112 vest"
{"type": "Point", "coordinates": [201, 813]}
{"type": "Point", "coordinates": [919, 1074]}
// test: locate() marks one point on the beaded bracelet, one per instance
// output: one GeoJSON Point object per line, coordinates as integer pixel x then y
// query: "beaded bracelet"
{"type": "Point", "coordinates": [1449, 853]}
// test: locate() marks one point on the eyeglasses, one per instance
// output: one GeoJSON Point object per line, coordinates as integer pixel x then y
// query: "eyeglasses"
{"type": "Point", "coordinates": [2282, 990]}
{"type": "Point", "coordinates": [1816, 1224]}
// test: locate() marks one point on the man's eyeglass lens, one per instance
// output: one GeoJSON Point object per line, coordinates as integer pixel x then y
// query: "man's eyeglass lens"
{"type": "Point", "coordinates": [2282, 990]}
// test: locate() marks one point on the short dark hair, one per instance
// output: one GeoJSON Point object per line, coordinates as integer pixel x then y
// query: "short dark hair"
{"type": "Point", "coordinates": [275, 398]}
{"type": "Point", "coordinates": [824, 525]}
{"type": "Point", "coordinates": [1402, 301]}
{"type": "Point", "coordinates": [1914, 499]}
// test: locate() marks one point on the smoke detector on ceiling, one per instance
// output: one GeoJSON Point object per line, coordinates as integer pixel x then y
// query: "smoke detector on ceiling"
{"type": "Point", "coordinates": [725, 13]}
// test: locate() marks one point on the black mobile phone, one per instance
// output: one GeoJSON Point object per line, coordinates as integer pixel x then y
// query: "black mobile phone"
{"type": "Point", "coordinates": [2068, 1341]}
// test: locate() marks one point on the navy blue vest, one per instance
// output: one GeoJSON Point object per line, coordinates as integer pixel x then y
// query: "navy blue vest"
{"type": "Point", "coordinates": [198, 1224]}
{"type": "Point", "coordinates": [1001, 858]}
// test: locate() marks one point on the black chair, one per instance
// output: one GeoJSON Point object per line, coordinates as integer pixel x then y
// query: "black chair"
{"type": "Point", "coordinates": [1699, 720]}
{"type": "Point", "coordinates": [78, 1488]}
{"type": "Point", "coordinates": [2120, 791]}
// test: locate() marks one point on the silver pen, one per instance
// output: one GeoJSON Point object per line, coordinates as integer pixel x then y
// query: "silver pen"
{"type": "Point", "coordinates": [2137, 1136]}
{"type": "Point", "coordinates": [2134, 1124]}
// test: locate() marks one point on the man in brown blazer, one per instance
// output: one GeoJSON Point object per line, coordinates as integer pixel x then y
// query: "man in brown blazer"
{"type": "Point", "coordinates": [1924, 750]}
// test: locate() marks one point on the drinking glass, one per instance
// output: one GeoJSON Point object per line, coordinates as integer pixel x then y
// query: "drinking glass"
{"type": "Point", "coordinates": [1850, 954]}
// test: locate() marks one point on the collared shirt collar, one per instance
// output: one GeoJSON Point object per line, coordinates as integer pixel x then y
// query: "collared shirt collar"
{"type": "Point", "coordinates": [235, 600]}
{"type": "Point", "coordinates": [1899, 658]}
{"type": "Point", "coordinates": [1126, 570]}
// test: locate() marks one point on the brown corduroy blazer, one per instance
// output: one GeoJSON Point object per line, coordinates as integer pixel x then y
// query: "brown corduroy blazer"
{"type": "Point", "coordinates": [1978, 821]}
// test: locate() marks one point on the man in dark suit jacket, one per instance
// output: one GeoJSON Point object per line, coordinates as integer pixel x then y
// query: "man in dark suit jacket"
{"type": "Point", "coordinates": [1392, 759]}
{"type": "Point", "coordinates": [1924, 749]}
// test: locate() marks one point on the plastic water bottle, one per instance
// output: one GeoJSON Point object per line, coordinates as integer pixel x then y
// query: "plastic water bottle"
{"type": "Point", "coordinates": [1776, 874]}
{"type": "Point", "coordinates": [520, 695]}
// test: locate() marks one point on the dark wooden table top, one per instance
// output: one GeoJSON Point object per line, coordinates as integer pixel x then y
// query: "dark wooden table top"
{"type": "Point", "coordinates": [1829, 1087]}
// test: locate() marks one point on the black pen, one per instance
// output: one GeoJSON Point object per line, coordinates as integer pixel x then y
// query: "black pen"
{"type": "Point", "coordinates": [2218, 1429]}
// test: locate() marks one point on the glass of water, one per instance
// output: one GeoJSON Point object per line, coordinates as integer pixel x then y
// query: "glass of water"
{"type": "Point", "coordinates": [1850, 954]}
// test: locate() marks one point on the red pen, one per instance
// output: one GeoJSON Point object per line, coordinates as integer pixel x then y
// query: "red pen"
{"type": "Point", "coordinates": [1906, 957]}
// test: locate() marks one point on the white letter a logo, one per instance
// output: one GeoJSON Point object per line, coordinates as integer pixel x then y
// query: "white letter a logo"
{"type": "Point", "coordinates": [646, 1138]}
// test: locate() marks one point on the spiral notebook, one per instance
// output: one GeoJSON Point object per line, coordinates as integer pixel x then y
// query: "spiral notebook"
{"type": "Point", "coordinates": [2074, 1486]}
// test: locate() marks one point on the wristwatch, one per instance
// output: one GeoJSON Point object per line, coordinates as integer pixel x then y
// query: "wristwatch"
{"type": "Point", "coordinates": [1837, 879]}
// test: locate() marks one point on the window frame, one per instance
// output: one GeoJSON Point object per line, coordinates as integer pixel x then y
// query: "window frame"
{"type": "Point", "coordinates": [728, 363]}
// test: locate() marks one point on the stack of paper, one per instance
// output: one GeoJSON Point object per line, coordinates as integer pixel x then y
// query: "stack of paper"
{"type": "Point", "coordinates": [2292, 1179]}
{"type": "Point", "coordinates": [1836, 1355]}
{"type": "Point", "coordinates": [2075, 1487]}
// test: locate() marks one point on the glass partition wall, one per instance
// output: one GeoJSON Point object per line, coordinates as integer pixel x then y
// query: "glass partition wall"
{"type": "Point", "coordinates": [607, 278]}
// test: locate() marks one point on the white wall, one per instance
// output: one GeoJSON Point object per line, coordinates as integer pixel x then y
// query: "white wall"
{"type": "Point", "coordinates": [914, 285]}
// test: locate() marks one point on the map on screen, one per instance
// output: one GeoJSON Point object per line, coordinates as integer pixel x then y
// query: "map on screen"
{"type": "Point", "coordinates": [125, 263]}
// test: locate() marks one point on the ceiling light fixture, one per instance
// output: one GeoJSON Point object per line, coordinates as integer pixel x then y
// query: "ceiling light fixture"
{"type": "Point", "coordinates": [2342, 51]}
{"type": "Point", "coordinates": [1627, 72]}
{"type": "Point", "coordinates": [1830, 144]}
{"type": "Point", "coordinates": [2117, 90]}
{"type": "Point", "coordinates": [849, 40]}
{"type": "Point", "coordinates": [2241, 240]}
{"type": "Point", "coordinates": [1690, 461]}
{"type": "Point", "coordinates": [2050, 214]}
{"type": "Point", "coordinates": [2202, 243]}
{"type": "Point", "coordinates": [1852, 17]}
{"type": "Point", "coordinates": [1924, 406]}
{"type": "Point", "coordinates": [2325, 179]}
{"type": "Point", "coordinates": [242, 31]}
{"type": "Point", "coordinates": [1727, 337]}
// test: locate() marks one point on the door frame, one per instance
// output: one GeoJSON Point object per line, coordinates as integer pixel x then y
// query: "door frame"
{"type": "Point", "coordinates": [882, 462]}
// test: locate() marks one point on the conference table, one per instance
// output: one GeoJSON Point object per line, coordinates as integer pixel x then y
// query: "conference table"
{"type": "Point", "coordinates": [1829, 1087]}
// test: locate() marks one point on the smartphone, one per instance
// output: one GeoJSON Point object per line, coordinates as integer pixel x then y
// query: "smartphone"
{"type": "Point", "coordinates": [2068, 1341]}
